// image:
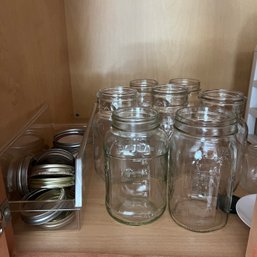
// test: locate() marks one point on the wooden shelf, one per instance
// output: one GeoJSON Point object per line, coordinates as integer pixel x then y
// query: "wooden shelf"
{"type": "Point", "coordinates": [99, 233]}
{"type": "Point", "coordinates": [252, 138]}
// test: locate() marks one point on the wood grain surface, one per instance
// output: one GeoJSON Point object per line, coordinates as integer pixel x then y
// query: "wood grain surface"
{"type": "Point", "coordinates": [112, 42]}
{"type": "Point", "coordinates": [34, 66]}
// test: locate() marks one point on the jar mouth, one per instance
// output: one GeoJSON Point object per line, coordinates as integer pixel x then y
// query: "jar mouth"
{"type": "Point", "coordinates": [169, 96]}
{"type": "Point", "coordinates": [167, 89]}
{"type": "Point", "coordinates": [135, 118]}
{"type": "Point", "coordinates": [205, 121]}
{"type": "Point", "coordinates": [223, 96]}
{"type": "Point", "coordinates": [116, 92]}
{"type": "Point", "coordinates": [143, 83]}
{"type": "Point", "coordinates": [112, 98]}
{"type": "Point", "coordinates": [192, 85]}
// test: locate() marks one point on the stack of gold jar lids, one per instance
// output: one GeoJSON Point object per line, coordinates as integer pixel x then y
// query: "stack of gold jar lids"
{"type": "Point", "coordinates": [45, 181]}
{"type": "Point", "coordinates": [52, 169]}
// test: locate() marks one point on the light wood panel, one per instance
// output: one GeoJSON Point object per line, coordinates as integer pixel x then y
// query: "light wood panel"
{"type": "Point", "coordinates": [34, 64]}
{"type": "Point", "coordinates": [114, 41]}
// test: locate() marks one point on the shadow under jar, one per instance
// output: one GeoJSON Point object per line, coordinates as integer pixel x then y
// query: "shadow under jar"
{"type": "Point", "coordinates": [202, 168]}
{"type": "Point", "coordinates": [136, 153]}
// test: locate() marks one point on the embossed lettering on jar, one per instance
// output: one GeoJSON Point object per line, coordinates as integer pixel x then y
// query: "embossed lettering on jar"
{"type": "Point", "coordinates": [136, 152]}
{"type": "Point", "coordinates": [203, 167]}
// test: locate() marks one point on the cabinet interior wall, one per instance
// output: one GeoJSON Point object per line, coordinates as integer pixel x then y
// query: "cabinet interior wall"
{"type": "Point", "coordinates": [60, 52]}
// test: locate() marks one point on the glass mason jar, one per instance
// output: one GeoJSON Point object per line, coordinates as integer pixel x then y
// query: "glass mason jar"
{"type": "Point", "coordinates": [248, 179]}
{"type": "Point", "coordinates": [192, 86]}
{"type": "Point", "coordinates": [167, 99]}
{"type": "Point", "coordinates": [136, 152]}
{"type": "Point", "coordinates": [229, 101]}
{"type": "Point", "coordinates": [144, 91]}
{"type": "Point", "coordinates": [202, 168]}
{"type": "Point", "coordinates": [108, 100]}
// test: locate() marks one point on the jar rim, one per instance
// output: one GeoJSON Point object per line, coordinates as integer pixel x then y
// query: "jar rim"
{"type": "Point", "coordinates": [170, 89]}
{"type": "Point", "coordinates": [135, 118]}
{"type": "Point", "coordinates": [224, 96]}
{"type": "Point", "coordinates": [192, 85]}
{"type": "Point", "coordinates": [204, 115]}
{"type": "Point", "coordinates": [143, 83]}
{"type": "Point", "coordinates": [115, 92]}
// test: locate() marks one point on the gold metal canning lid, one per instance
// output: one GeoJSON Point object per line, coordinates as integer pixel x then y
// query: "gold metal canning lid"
{"type": "Point", "coordinates": [63, 219]}
{"type": "Point", "coordinates": [55, 156]}
{"type": "Point", "coordinates": [69, 139]}
{"type": "Point", "coordinates": [52, 170]}
{"type": "Point", "coordinates": [51, 183]}
{"type": "Point", "coordinates": [39, 217]}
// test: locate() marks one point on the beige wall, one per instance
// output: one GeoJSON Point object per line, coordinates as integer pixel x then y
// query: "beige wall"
{"type": "Point", "coordinates": [33, 63]}
{"type": "Point", "coordinates": [111, 42]}
{"type": "Point", "coordinates": [114, 41]}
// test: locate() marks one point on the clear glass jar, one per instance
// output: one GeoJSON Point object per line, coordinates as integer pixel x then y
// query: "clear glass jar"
{"type": "Point", "coordinates": [229, 101]}
{"type": "Point", "coordinates": [192, 86]}
{"type": "Point", "coordinates": [109, 99]}
{"type": "Point", "coordinates": [167, 99]}
{"type": "Point", "coordinates": [136, 152]}
{"type": "Point", "coordinates": [202, 168]}
{"type": "Point", "coordinates": [144, 91]}
{"type": "Point", "coordinates": [248, 179]}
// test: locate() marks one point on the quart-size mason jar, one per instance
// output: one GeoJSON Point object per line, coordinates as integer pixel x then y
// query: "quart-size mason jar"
{"type": "Point", "coordinates": [192, 86]}
{"type": "Point", "coordinates": [136, 152]}
{"type": "Point", "coordinates": [144, 89]}
{"type": "Point", "coordinates": [202, 168]}
{"type": "Point", "coordinates": [167, 99]}
{"type": "Point", "coordinates": [229, 101]}
{"type": "Point", "coordinates": [109, 99]}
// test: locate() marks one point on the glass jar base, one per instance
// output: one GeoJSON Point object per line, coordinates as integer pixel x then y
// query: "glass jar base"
{"type": "Point", "coordinates": [197, 218]}
{"type": "Point", "coordinates": [135, 213]}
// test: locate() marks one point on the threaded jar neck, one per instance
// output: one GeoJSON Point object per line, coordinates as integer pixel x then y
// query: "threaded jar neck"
{"type": "Point", "coordinates": [136, 119]}
{"type": "Point", "coordinates": [192, 85]}
{"type": "Point", "coordinates": [169, 95]}
{"type": "Point", "coordinates": [224, 100]}
{"type": "Point", "coordinates": [202, 121]}
{"type": "Point", "coordinates": [143, 85]}
{"type": "Point", "coordinates": [110, 99]}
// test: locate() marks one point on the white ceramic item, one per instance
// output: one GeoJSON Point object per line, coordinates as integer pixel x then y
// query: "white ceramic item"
{"type": "Point", "coordinates": [245, 207]}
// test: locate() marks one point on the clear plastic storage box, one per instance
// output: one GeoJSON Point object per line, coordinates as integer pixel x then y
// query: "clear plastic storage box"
{"type": "Point", "coordinates": [44, 168]}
